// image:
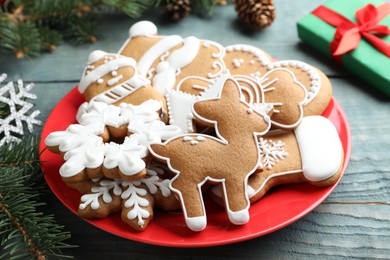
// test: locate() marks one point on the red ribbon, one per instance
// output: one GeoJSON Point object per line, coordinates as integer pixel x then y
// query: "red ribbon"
{"type": "Point", "coordinates": [349, 34]}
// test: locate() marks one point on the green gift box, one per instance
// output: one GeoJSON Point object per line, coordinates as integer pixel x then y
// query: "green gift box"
{"type": "Point", "coordinates": [365, 61]}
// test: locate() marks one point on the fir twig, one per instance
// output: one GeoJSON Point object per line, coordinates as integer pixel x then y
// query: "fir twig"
{"type": "Point", "coordinates": [25, 233]}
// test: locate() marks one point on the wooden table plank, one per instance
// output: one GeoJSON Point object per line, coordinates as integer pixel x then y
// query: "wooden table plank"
{"type": "Point", "coordinates": [280, 40]}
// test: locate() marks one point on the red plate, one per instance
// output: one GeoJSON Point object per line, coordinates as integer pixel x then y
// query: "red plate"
{"type": "Point", "coordinates": [168, 229]}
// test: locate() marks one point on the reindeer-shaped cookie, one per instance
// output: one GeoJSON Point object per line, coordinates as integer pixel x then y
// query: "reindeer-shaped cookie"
{"type": "Point", "coordinates": [229, 159]}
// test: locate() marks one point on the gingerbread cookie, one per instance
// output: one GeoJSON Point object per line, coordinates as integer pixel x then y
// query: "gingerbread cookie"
{"type": "Point", "coordinates": [113, 79]}
{"type": "Point", "coordinates": [228, 159]}
{"type": "Point", "coordinates": [285, 95]}
{"type": "Point", "coordinates": [251, 67]}
{"type": "Point", "coordinates": [166, 60]}
{"type": "Point", "coordinates": [249, 61]}
{"type": "Point", "coordinates": [89, 151]}
{"type": "Point", "coordinates": [312, 153]}
{"type": "Point", "coordinates": [135, 200]}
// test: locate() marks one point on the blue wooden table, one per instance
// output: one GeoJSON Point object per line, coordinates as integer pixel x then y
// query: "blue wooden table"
{"type": "Point", "coordinates": [353, 222]}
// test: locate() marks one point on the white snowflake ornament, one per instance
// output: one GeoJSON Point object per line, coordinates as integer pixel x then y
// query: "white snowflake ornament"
{"type": "Point", "coordinates": [12, 127]}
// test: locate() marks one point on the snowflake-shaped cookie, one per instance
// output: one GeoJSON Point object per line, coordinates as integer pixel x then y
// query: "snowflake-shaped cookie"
{"type": "Point", "coordinates": [134, 199]}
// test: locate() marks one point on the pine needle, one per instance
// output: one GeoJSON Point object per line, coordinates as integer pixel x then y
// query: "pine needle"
{"type": "Point", "coordinates": [26, 233]}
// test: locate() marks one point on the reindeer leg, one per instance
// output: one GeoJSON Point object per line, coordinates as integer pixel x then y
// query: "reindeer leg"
{"type": "Point", "coordinates": [237, 203]}
{"type": "Point", "coordinates": [190, 196]}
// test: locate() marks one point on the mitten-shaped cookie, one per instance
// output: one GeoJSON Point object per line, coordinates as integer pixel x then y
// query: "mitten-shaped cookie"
{"type": "Point", "coordinates": [312, 153]}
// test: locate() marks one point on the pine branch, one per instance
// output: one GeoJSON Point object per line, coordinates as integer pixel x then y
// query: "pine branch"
{"type": "Point", "coordinates": [25, 233]}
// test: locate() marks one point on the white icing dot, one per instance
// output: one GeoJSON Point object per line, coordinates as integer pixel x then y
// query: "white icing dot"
{"type": "Point", "coordinates": [187, 138]}
{"type": "Point", "coordinates": [241, 60]}
{"type": "Point", "coordinates": [114, 73]}
{"type": "Point", "coordinates": [251, 62]}
{"type": "Point", "coordinates": [200, 138]}
{"type": "Point", "coordinates": [270, 66]}
{"type": "Point", "coordinates": [305, 68]}
{"type": "Point", "coordinates": [162, 66]}
{"type": "Point", "coordinates": [249, 110]}
{"type": "Point", "coordinates": [229, 49]}
{"type": "Point", "coordinates": [194, 142]}
{"type": "Point", "coordinates": [100, 81]}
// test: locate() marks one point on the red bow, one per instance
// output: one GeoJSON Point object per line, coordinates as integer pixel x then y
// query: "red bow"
{"type": "Point", "coordinates": [348, 34]}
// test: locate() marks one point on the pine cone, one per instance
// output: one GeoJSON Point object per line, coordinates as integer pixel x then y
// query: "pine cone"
{"type": "Point", "coordinates": [178, 9]}
{"type": "Point", "coordinates": [257, 14]}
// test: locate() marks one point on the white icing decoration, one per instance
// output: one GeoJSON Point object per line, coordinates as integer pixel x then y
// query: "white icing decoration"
{"type": "Point", "coordinates": [271, 152]}
{"type": "Point", "coordinates": [200, 138]}
{"type": "Point", "coordinates": [256, 52]}
{"type": "Point", "coordinates": [99, 114]}
{"type": "Point", "coordinates": [154, 183]}
{"type": "Point", "coordinates": [115, 80]}
{"type": "Point", "coordinates": [104, 69]}
{"type": "Point", "coordinates": [320, 148]}
{"type": "Point", "coordinates": [166, 70]}
{"type": "Point", "coordinates": [81, 146]}
{"type": "Point", "coordinates": [152, 132]}
{"type": "Point", "coordinates": [100, 81]}
{"type": "Point", "coordinates": [134, 197]}
{"type": "Point", "coordinates": [179, 107]}
{"type": "Point", "coordinates": [187, 138]}
{"type": "Point", "coordinates": [127, 156]}
{"type": "Point", "coordinates": [143, 28]}
{"type": "Point", "coordinates": [95, 56]}
{"type": "Point", "coordinates": [237, 62]}
{"type": "Point", "coordinates": [158, 49]}
{"type": "Point", "coordinates": [193, 142]}
{"type": "Point", "coordinates": [314, 76]}
{"type": "Point", "coordinates": [103, 190]}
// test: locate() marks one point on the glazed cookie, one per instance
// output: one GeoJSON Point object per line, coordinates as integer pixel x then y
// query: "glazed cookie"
{"type": "Point", "coordinates": [113, 79]}
{"type": "Point", "coordinates": [134, 199]}
{"type": "Point", "coordinates": [166, 60]}
{"type": "Point", "coordinates": [251, 62]}
{"type": "Point", "coordinates": [89, 150]}
{"type": "Point", "coordinates": [260, 84]}
{"type": "Point", "coordinates": [279, 90]}
{"type": "Point", "coordinates": [228, 159]}
{"type": "Point", "coordinates": [312, 153]}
